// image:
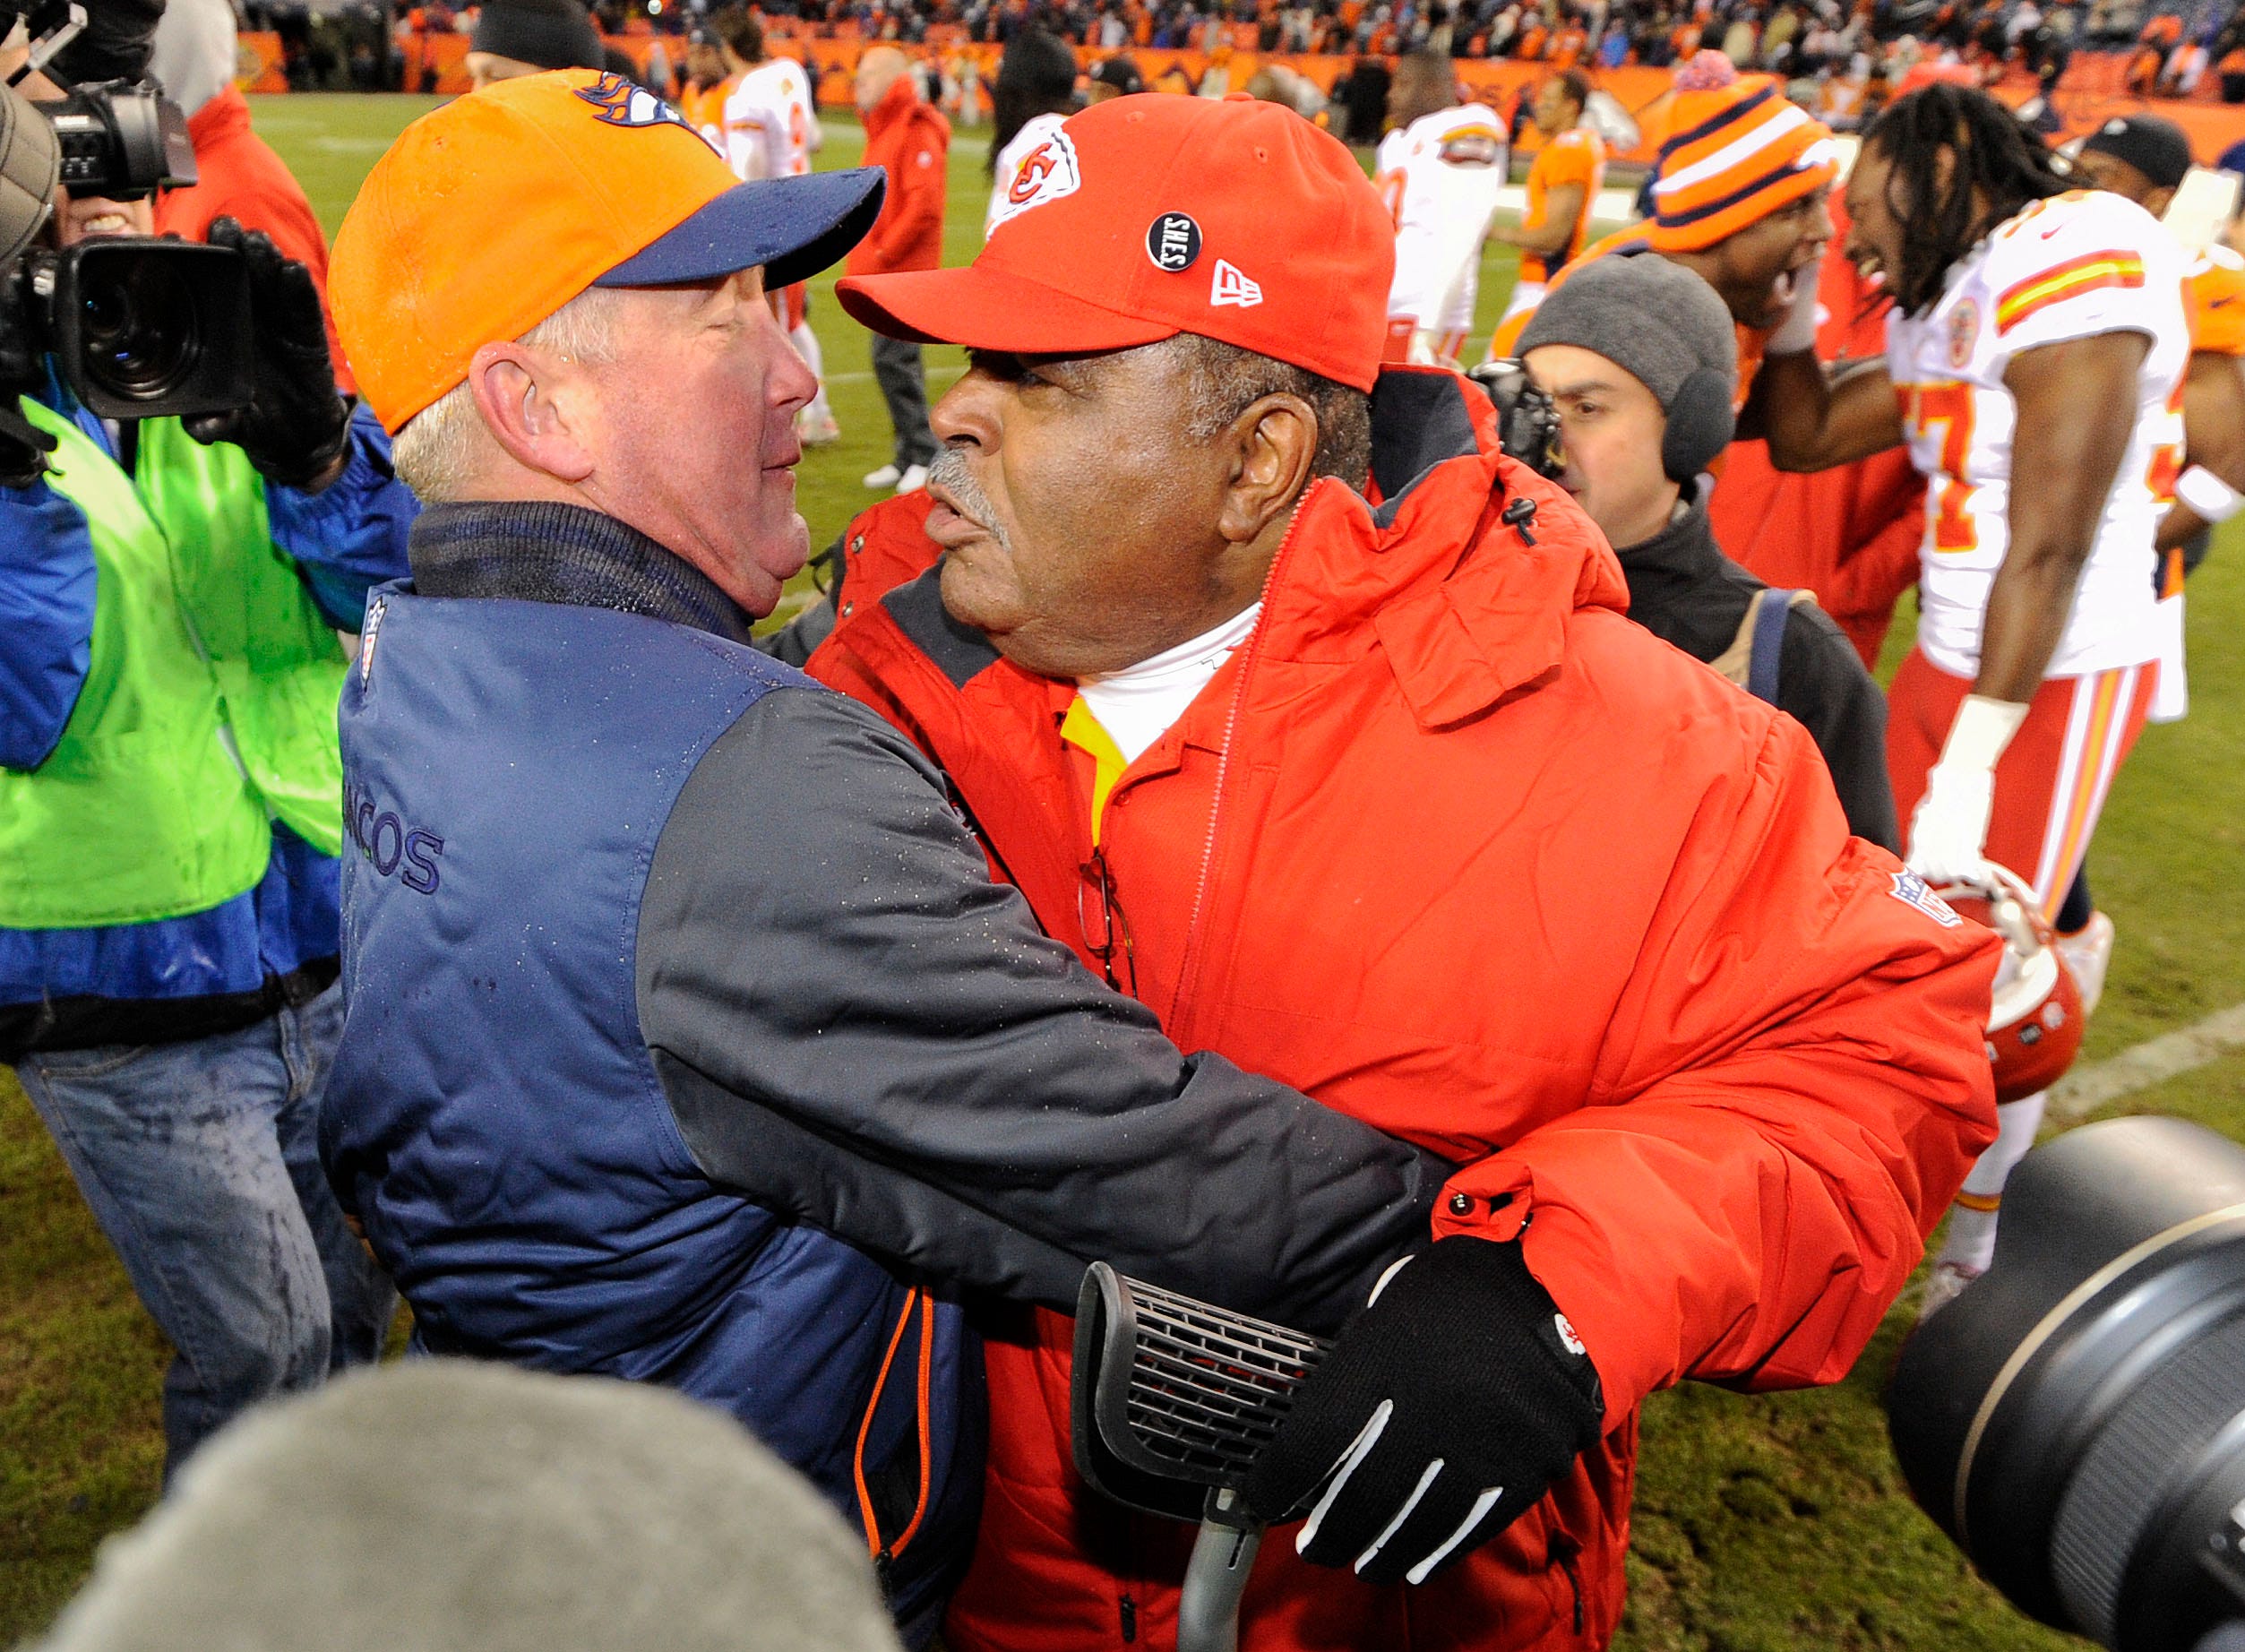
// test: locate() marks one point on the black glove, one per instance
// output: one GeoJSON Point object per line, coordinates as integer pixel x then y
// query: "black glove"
{"type": "Point", "coordinates": [296, 423]}
{"type": "Point", "coordinates": [1445, 1410]}
{"type": "Point", "coordinates": [23, 445]}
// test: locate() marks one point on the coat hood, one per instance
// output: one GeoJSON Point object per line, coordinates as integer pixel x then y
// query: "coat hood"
{"type": "Point", "coordinates": [901, 105]}
{"type": "Point", "coordinates": [1466, 573]}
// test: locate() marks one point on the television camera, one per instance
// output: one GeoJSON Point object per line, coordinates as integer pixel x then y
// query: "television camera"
{"type": "Point", "coordinates": [139, 326]}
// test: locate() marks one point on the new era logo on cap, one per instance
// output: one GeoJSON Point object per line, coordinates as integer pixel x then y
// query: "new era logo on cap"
{"type": "Point", "coordinates": [1232, 287]}
{"type": "Point", "coordinates": [1046, 174]}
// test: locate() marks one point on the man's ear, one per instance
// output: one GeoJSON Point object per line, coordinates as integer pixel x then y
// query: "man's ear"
{"type": "Point", "coordinates": [1944, 168]}
{"type": "Point", "coordinates": [514, 387]}
{"type": "Point", "coordinates": [1278, 438]}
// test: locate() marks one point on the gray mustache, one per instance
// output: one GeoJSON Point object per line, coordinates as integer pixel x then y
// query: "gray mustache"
{"type": "Point", "coordinates": [949, 472]}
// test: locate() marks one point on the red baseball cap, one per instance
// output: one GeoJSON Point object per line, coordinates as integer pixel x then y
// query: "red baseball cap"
{"type": "Point", "coordinates": [1145, 217]}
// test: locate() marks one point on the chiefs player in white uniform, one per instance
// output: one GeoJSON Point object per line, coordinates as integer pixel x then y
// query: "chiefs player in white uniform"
{"type": "Point", "coordinates": [2037, 344]}
{"type": "Point", "coordinates": [1439, 172]}
{"type": "Point", "coordinates": [771, 129]}
{"type": "Point", "coordinates": [1033, 92]}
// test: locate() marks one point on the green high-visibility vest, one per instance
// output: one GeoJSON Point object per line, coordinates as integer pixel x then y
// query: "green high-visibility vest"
{"type": "Point", "coordinates": [208, 708]}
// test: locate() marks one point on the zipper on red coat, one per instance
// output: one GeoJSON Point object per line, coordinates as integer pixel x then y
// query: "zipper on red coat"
{"type": "Point", "coordinates": [1127, 1609]}
{"type": "Point", "coordinates": [1563, 1550]}
{"type": "Point", "coordinates": [1188, 978]}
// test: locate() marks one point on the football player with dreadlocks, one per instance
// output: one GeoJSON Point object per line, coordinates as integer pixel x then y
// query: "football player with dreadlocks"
{"type": "Point", "coordinates": [2038, 339]}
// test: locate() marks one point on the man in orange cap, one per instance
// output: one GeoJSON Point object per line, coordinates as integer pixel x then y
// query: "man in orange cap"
{"type": "Point", "coordinates": [682, 1003]}
{"type": "Point", "coordinates": [1317, 726]}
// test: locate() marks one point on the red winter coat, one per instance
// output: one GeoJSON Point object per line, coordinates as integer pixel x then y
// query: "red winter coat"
{"type": "Point", "coordinates": [240, 177]}
{"type": "Point", "coordinates": [1453, 847]}
{"type": "Point", "coordinates": [908, 140]}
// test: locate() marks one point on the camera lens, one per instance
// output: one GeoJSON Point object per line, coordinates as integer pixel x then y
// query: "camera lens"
{"type": "Point", "coordinates": [2075, 1419]}
{"type": "Point", "coordinates": [139, 327]}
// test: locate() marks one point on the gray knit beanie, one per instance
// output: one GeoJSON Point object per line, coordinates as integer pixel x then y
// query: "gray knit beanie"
{"type": "Point", "coordinates": [1665, 328]}
{"type": "Point", "coordinates": [446, 1506]}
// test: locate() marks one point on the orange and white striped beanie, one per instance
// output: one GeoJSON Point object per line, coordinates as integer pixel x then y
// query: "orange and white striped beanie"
{"type": "Point", "coordinates": [1736, 154]}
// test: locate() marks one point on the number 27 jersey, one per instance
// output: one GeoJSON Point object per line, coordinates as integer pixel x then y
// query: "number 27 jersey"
{"type": "Point", "coordinates": [2070, 267]}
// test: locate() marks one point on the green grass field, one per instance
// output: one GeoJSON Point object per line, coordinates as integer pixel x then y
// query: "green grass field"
{"type": "Point", "coordinates": [1762, 1524]}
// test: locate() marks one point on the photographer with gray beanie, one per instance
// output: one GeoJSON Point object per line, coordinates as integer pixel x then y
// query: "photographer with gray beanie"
{"type": "Point", "coordinates": [1642, 358]}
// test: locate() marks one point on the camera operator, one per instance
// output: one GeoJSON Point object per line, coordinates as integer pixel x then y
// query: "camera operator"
{"type": "Point", "coordinates": [170, 816]}
{"type": "Point", "coordinates": [1642, 412]}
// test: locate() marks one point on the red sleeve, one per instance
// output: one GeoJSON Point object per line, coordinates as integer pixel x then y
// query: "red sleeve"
{"type": "Point", "coordinates": [913, 213]}
{"type": "Point", "coordinates": [246, 181]}
{"type": "Point", "coordinates": [1790, 1090]}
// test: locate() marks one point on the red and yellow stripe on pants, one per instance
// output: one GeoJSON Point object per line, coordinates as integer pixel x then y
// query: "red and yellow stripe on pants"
{"type": "Point", "coordinates": [2055, 776]}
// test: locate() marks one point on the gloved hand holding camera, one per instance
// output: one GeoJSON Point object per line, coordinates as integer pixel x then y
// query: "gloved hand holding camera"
{"type": "Point", "coordinates": [296, 425]}
{"type": "Point", "coordinates": [1445, 1410]}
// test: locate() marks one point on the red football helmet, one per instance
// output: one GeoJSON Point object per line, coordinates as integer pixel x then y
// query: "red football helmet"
{"type": "Point", "coordinates": [2034, 1024]}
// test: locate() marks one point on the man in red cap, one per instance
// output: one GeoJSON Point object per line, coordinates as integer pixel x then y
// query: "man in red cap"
{"type": "Point", "coordinates": [1315, 724]}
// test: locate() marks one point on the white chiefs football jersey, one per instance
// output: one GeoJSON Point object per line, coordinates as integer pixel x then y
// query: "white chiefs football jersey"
{"type": "Point", "coordinates": [1440, 176]}
{"type": "Point", "coordinates": [2070, 267]}
{"type": "Point", "coordinates": [1019, 148]}
{"type": "Point", "coordinates": [769, 120]}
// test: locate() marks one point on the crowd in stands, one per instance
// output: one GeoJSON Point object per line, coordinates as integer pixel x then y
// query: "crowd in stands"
{"type": "Point", "coordinates": [2200, 48]}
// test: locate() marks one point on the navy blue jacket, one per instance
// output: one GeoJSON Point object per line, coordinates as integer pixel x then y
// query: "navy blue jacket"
{"type": "Point", "coordinates": [667, 971]}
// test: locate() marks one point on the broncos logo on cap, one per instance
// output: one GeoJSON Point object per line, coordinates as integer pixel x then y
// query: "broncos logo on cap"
{"type": "Point", "coordinates": [617, 102]}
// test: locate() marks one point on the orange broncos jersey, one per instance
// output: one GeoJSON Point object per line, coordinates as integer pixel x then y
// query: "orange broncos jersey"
{"type": "Point", "coordinates": [704, 108]}
{"type": "Point", "coordinates": [1574, 157]}
{"type": "Point", "coordinates": [2214, 293]}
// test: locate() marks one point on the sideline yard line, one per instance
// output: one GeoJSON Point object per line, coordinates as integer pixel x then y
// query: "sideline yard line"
{"type": "Point", "coordinates": [2153, 1062]}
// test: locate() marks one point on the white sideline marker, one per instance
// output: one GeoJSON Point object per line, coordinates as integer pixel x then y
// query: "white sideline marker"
{"type": "Point", "coordinates": [2153, 1062]}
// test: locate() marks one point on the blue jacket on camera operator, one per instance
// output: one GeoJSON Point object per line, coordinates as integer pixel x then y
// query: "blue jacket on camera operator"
{"type": "Point", "coordinates": [171, 815]}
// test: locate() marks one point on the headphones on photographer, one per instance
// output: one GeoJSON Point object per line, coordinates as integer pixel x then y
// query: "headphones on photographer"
{"type": "Point", "coordinates": [1700, 425]}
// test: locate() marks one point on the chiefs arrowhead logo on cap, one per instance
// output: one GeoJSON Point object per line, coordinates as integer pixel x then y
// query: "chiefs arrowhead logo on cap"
{"type": "Point", "coordinates": [1046, 172]}
{"type": "Point", "coordinates": [620, 103]}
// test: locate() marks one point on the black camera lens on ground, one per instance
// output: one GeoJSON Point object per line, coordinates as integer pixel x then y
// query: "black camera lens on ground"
{"type": "Point", "coordinates": [2074, 1420]}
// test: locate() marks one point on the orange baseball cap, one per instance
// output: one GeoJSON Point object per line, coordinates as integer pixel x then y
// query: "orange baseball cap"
{"type": "Point", "coordinates": [1145, 217]}
{"type": "Point", "coordinates": [489, 214]}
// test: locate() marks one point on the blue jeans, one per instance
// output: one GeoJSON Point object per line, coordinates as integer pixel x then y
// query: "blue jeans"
{"type": "Point", "coordinates": [201, 1161]}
